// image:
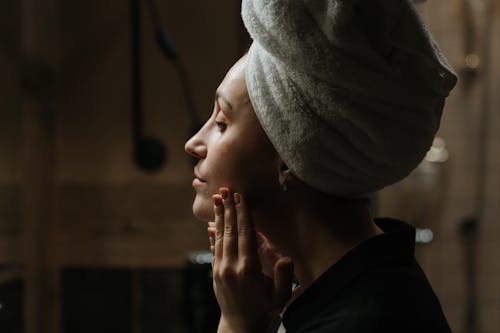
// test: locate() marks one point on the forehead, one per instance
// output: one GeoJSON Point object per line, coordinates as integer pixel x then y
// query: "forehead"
{"type": "Point", "coordinates": [234, 87]}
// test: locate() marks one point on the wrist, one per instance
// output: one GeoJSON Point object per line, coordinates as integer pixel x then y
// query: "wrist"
{"type": "Point", "coordinates": [227, 327]}
{"type": "Point", "coordinates": [230, 327]}
{"type": "Point", "coordinates": [224, 326]}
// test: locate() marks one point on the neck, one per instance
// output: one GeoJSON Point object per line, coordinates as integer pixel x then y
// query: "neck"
{"type": "Point", "coordinates": [320, 230]}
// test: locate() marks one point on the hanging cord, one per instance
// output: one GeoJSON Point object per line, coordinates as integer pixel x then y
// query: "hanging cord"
{"type": "Point", "coordinates": [170, 52]}
{"type": "Point", "coordinates": [136, 71]}
{"type": "Point", "coordinates": [149, 153]}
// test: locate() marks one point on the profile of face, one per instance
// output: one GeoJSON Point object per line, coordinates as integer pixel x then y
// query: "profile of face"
{"type": "Point", "coordinates": [232, 149]}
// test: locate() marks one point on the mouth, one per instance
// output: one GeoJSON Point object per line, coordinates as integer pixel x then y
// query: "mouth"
{"type": "Point", "coordinates": [197, 176]}
{"type": "Point", "coordinates": [198, 182]}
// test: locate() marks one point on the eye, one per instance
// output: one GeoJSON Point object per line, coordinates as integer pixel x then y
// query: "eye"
{"type": "Point", "coordinates": [221, 126]}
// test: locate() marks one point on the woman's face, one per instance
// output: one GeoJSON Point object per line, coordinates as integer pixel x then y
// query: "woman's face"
{"type": "Point", "coordinates": [232, 149]}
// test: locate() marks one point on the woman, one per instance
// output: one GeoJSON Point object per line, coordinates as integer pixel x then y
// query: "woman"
{"type": "Point", "coordinates": [335, 100]}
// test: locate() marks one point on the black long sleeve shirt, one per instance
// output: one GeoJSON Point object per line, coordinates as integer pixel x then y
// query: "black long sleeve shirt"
{"type": "Point", "coordinates": [376, 287]}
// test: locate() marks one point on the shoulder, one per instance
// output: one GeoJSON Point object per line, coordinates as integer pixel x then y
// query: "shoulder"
{"type": "Point", "coordinates": [386, 299]}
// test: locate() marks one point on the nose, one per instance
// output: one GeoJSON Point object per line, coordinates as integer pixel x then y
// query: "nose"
{"type": "Point", "coordinates": [195, 146]}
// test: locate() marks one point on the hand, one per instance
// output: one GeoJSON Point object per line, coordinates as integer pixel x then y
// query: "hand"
{"type": "Point", "coordinates": [248, 299]}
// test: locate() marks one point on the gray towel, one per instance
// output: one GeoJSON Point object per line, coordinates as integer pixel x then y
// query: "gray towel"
{"type": "Point", "coordinates": [350, 92]}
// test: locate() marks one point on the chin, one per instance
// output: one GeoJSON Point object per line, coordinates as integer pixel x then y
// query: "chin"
{"type": "Point", "coordinates": [203, 209]}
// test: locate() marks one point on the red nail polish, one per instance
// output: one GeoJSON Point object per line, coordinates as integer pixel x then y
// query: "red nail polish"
{"type": "Point", "coordinates": [225, 193]}
{"type": "Point", "coordinates": [217, 201]}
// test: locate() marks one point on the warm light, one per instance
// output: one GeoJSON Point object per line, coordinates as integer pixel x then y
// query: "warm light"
{"type": "Point", "coordinates": [472, 61]}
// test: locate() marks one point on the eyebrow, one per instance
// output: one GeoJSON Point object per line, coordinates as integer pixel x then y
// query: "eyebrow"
{"type": "Point", "coordinates": [219, 95]}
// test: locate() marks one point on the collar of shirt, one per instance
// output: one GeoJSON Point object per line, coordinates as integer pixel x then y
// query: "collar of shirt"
{"type": "Point", "coordinates": [395, 246]}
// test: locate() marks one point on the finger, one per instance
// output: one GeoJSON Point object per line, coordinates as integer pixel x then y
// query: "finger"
{"type": "Point", "coordinates": [211, 238]}
{"type": "Point", "coordinates": [268, 258]}
{"type": "Point", "coordinates": [219, 226]}
{"type": "Point", "coordinates": [283, 278]}
{"type": "Point", "coordinates": [247, 238]}
{"type": "Point", "coordinates": [261, 239]}
{"type": "Point", "coordinates": [230, 246]}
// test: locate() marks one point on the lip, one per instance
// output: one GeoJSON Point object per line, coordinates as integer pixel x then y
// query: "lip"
{"type": "Point", "coordinates": [197, 175]}
{"type": "Point", "coordinates": [197, 182]}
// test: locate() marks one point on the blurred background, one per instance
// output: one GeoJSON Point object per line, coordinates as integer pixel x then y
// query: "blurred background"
{"type": "Point", "coordinates": [96, 231]}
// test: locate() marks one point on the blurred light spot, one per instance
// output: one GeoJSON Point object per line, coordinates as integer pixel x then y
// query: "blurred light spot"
{"type": "Point", "coordinates": [424, 236]}
{"type": "Point", "coordinates": [472, 61]}
{"type": "Point", "coordinates": [201, 257]}
{"type": "Point", "coordinates": [438, 152]}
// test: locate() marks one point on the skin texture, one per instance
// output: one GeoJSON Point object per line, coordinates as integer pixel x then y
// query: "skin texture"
{"type": "Point", "coordinates": [232, 149]}
{"type": "Point", "coordinates": [260, 236]}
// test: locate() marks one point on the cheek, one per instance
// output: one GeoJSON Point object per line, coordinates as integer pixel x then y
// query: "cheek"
{"type": "Point", "coordinates": [242, 170]}
{"type": "Point", "coordinates": [258, 182]}
{"type": "Point", "coordinates": [227, 163]}
{"type": "Point", "coordinates": [241, 161]}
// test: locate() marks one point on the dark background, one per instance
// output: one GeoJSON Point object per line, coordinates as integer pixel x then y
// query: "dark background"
{"type": "Point", "coordinates": [89, 240]}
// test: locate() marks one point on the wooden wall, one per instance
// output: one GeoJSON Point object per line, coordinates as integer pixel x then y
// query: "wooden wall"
{"type": "Point", "coordinates": [66, 173]}
{"type": "Point", "coordinates": [70, 195]}
{"type": "Point", "coordinates": [10, 136]}
{"type": "Point", "coordinates": [454, 185]}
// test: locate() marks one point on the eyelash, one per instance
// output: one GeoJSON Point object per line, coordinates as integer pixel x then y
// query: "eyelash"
{"type": "Point", "coordinates": [221, 126]}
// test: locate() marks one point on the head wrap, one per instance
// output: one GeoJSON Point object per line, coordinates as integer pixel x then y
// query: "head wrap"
{"type": "Point", "coordinates": [349, 92]}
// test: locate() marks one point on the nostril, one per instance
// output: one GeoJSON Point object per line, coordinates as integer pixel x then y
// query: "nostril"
{"type": "Point", "coordinates": [195, 149]}
{"type": "Point", "coordinates": [190, 146]}
{"type": "Point", "coordinates": [197, 153]}
{"type": "Point", "coordinates": [201, 151]}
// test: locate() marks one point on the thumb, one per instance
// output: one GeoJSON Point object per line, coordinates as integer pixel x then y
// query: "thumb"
{"type": "Point", "coordinates": [283, 278]}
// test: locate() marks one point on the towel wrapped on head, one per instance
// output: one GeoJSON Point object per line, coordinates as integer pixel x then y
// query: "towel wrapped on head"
{"type": "Point", "coordinates": [349, 92]}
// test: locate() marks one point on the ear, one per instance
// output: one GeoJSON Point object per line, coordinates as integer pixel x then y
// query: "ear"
{"type": "Point", "coordinates": [284, 172]}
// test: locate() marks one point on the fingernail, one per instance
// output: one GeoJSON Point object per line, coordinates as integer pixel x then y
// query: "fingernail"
{"type": "Point", "coordinates": [217, 200]}
{"type": "Point", "coordinates": [237, 198]}
{"type": "Point", "coordinates": [225, 193]}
